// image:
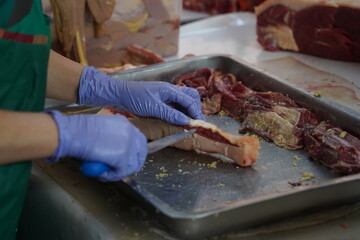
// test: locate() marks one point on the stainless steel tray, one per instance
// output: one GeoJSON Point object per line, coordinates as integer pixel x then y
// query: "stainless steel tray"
{"type": "Point", "coordinates": [195, 200]}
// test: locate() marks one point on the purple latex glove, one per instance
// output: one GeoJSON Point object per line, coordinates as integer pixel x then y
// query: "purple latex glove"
{"type": "Point", "coordinates": [143, 98]}
{"type": "Point", "coordinates": [111, 140]}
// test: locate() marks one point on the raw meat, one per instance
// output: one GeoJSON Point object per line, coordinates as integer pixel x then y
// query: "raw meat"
{"type": "Point", "coordinates": [276, 117]}
{"type": "Point", "coordinates": [137, 55]}
{"type": "Point", "coordinates": [271, 126]}
{"type": "Point", "coordinates": [215, 7]}
{"type": "Point", "coordinates": [248, 5]}
{"type": "Point", "coordinates": [211, 105]}
{"type": "Point", "coordinates": [333, 147]}
{"type": "Point", "coordinates": [271, 115]}
{"type": "Point", "coordinates": [325, 28]}
{"type": "Point", "coordinates": [244, 150]}
{"type": "Point", "coordinates": [212, 7]}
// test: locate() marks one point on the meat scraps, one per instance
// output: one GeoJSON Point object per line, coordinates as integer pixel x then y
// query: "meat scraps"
{"type": "Point", "coordinates": [275, 117]}
{"type": "Point", "coordinates": [271, 115]}
{"type": "Point", "coordinates": [328, 29]}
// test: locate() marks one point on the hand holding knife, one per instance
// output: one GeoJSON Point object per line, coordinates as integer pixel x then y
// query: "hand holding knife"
{"type": "Point", "coordinates": [94, 169]}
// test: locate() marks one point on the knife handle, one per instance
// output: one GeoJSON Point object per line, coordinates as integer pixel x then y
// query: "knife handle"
{"type": "Point", "coordinates": [93, 169]}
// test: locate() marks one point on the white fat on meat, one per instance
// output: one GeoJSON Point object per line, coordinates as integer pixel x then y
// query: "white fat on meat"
{"type": "Point", "coordinates": [280, 129]}
{"type": "Point", "coordinates": [290, 114]}
{"type": "Point", "coordinates": [281, 36]}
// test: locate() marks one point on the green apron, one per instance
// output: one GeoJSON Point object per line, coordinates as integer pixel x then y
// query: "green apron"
{"type": "Point", "coordinates": [24, 53]}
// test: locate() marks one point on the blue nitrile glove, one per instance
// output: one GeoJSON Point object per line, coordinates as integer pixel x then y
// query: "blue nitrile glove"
{"type": "Point", "coordinates": [142, 98]}
{"type": "Point", "coordinates": [111, 140]}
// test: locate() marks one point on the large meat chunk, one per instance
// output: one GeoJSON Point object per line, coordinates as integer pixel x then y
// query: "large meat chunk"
{"type": "Point", "coordinates": [325, 28]}
{"type": "Point", "coordinates": [244, 150]}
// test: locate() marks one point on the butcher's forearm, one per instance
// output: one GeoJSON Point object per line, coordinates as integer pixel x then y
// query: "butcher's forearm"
{"type": "Point", "coordinates": [25, 136]}
{"type": "Point", "coordinates": [63, 78]}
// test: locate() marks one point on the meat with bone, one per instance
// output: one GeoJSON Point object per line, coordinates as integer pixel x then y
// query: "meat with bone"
{"type": "Point", "coordinates": [333, 147]}
{"type": "Point", "coordinates": [271, 115]}
{"type": "Point", "coordinates": [244, 150]}
{"type": "Point", "coordinates": [325, 28]}
{"type": "Point", "coordinates": [272, 126]}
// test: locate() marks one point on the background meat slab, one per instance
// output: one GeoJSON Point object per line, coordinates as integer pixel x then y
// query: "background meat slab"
{"type": "Point", "coordinates": [321, 28]}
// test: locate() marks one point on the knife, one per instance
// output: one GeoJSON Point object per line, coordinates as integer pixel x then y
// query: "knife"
{"type": "Point", "coordinates": [94, 169]}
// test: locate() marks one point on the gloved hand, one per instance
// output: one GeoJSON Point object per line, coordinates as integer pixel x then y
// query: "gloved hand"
{"type": "Point", "coordinates": [143, 98]}
{"type": "Point", "coordinates": [111, 140]}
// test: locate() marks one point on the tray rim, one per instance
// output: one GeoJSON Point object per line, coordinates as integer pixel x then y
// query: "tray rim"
{"type": "Point", "coordinates": [327, 101]}
{"type": "Point", "coordinates": [255, 200]}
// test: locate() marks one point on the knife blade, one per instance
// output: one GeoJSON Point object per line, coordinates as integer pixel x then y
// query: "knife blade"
{"type": "Point", "coordinates": [94, 169]}
{"type": "Point", "coordinates": [161, 143]}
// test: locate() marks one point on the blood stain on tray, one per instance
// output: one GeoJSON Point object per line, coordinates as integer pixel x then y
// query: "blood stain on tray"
{"type": "Point", "coordinates": [344, 225]}
{"type": "Point", "coordinates": [312, 80]}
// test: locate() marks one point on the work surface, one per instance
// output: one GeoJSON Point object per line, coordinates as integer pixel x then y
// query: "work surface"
{"type": "Point", "coordinates": [101, 210]}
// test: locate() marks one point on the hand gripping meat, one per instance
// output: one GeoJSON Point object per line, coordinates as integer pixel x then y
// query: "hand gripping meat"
{"type": "Point", "coordinates": [208, 138]}
{"type": "Point", "coordinates": [143, 98]}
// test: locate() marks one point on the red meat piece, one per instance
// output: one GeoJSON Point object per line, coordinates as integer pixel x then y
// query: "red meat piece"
{"type": "Point", "coordinates": [329, 30]}
{"type": "Point", "coordinates": [333, 147]}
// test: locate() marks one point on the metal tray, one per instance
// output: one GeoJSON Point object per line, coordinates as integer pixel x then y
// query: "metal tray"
{"type": "Point", "coordinates": [194, 199]}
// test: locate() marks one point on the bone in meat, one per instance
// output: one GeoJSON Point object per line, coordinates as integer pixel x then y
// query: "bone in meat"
{"type": "Point", "coordinates": [244, 150]}
{"type": "Point", "coordinates": [333, 147]}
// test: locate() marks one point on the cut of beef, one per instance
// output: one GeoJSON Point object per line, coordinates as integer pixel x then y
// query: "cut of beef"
{"type": "Point", "coordinates": [208, 138]}
{"type": "Point", "coordinates": [280, 124]}
{"type": "Point", "coordinates": [215, 7]}
{"type": "Point", "coordinates": [195, 79]}
{"type": "Point", "coordinates": [333, 147]}
{"type": "Point", "coordinates": [212, 7]}
{"type": "Point", "coordinates": [220, 83]}
{"type": "Point", "coordinates": [324, 28]}
{"type": "Point", "coordinates": [271, 126]}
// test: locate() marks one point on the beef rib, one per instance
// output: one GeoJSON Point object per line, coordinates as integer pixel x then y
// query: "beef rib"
{"type": "Point", "coordinates": [208, 138]}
